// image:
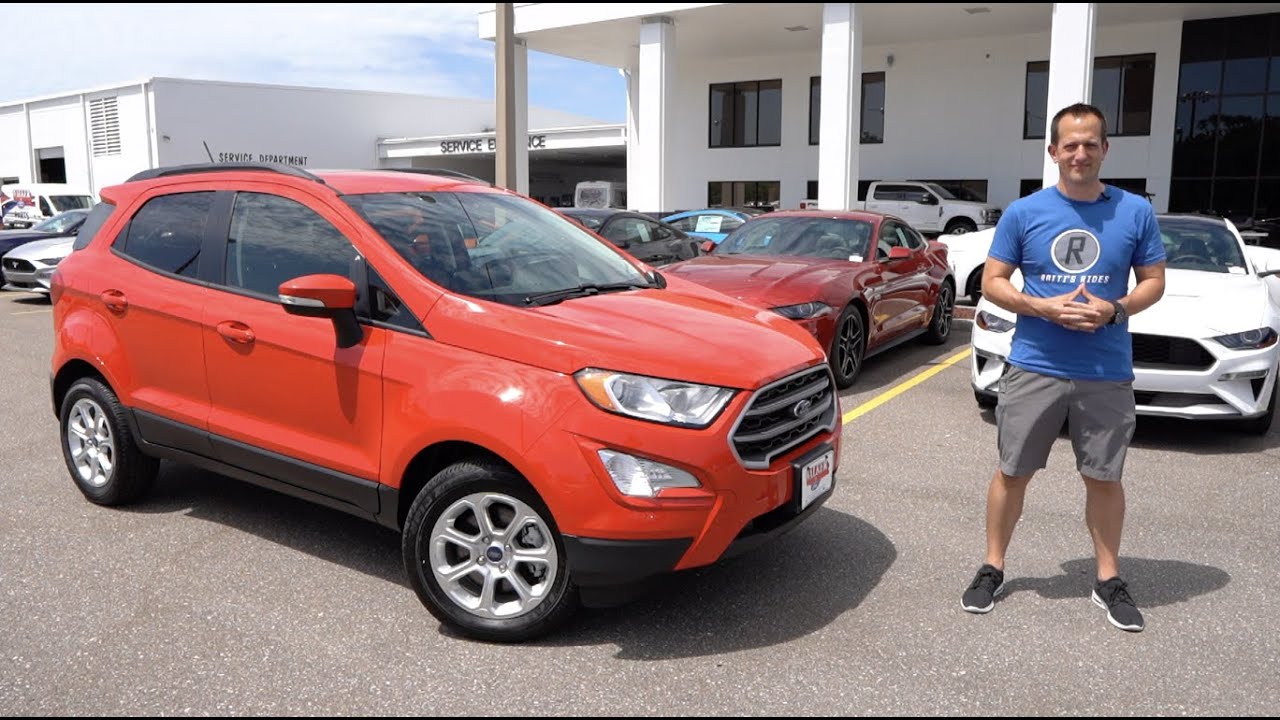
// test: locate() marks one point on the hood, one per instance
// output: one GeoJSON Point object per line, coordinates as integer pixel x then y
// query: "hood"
{"type": "Point", "coordinates": [42, 249]}
{"type": "Point", "coordinates": [690, 335]}
{"type": "Point", "coordinates": [1196, 304]}
{"type": "Point", "coordinates": [764, 281]}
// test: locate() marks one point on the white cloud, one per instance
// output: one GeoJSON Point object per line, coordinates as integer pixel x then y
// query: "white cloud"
{"type": "Point", "coordinates": [431, 49]}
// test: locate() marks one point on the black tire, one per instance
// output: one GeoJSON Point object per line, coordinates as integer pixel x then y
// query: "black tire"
{"type": "Point", "coordinates": [960, 226]}
{"type": "Point", "coordinates": [985, 401]}
{"type": "Point", "coordinates": [99, 448]}
{"type": "Point", "coordinates": [1261, 425]}
{"type": "Point", "coordinates": [973, 288]}
{"type": "Point", "coordinates": [944, 310]}
{"type": "Point", "coordinates": [456, 500]}
{"type": "Point", "coordinates": [848, 347]}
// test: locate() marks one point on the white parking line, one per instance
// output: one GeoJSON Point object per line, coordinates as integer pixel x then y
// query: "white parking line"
{"type": "Point", "coordinates": [28, 312]}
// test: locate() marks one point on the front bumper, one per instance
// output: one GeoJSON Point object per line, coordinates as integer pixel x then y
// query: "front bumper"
{"type": "Point", "coordinates": [25, 275]}
{"type": "Point", "coordinates": [613, 538]}
{"type": "Point", "coordinates": [1209, 389]}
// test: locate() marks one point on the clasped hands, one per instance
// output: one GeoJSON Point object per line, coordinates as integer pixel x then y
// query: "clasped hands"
{"type": "Point", "coordinates": [1078, 310]}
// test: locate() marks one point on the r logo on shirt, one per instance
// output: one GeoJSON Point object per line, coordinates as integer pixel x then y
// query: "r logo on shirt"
{"type": "Point", "coordinates": [1075, 251]}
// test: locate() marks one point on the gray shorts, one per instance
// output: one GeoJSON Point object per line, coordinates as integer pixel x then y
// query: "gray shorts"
{"type": "Point", "coordinates": [1032, 408]}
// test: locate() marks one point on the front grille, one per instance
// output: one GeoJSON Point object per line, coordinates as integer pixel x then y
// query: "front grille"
{"type": "Point", "coordinates": [784, 414]}
{"type": "Point", "coordinates": [1161, 352]}
{"type": "Point", "coordinates": [18, 265]}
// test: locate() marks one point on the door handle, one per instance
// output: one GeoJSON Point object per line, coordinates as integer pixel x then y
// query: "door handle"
{"type": "Point", "coordinates": [114, 300]}
{"type": "Point", "coordinates": [236, 332]}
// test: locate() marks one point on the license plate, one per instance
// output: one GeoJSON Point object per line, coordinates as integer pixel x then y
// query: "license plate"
{"type": "Point", "coordinates": [815, 476]}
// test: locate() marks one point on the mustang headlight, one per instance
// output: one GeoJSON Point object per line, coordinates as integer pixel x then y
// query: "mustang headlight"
{"type": "Point", "coordinates": [803, 311]}
{"type": "Point", "coordinates": [666, 401]}
{"type": "Point", "coordinates": [51, 261]}
{"type": "Point", "coordinates": [1249, 339]}
{"type": "Point", "coordinates": [994, 323]}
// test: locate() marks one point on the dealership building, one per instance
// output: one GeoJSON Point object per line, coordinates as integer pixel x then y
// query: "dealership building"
{"type": "Point", "coordinates": [755, 103]}
{"type": "Point", "coordinates": [100, 136]}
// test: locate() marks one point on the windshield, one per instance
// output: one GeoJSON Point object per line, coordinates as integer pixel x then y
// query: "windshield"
{"type": "Point", "coordinates": [494, 246]}
{"type": "Point", "coordinates": [1209, 247]}
{"type": "Point", "coordinates": [63, 203]}
{"type": "Point", "coordinates": [833, 238]}
{"type": "Point", "coordinates": [65, 222]}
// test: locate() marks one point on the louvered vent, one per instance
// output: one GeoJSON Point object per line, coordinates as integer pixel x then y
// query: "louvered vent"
{"type": "Point", "coordinates": [104, 122]}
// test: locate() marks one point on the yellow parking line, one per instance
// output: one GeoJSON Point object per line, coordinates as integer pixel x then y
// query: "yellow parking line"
{"type": "Point", "coordinates": [902, 387]}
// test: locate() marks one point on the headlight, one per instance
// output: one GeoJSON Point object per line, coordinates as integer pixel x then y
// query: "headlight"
{"type": "Point", "coordinates": [994, 323]}
{"type": "Point", "coordinates": [50, 261]}
{"type": "Point", "coordinates": [1249, 339]}
{"type": "Point", "coordinates": [803, 311]}
{"type": "Point", "coordinates": [666, 401]}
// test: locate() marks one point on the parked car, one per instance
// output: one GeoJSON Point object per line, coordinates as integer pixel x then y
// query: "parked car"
{"type": "Point", "coordinates": [968, 255]}
{"type": "Point", "coordinates": [540, 415]}
{"type": "Point", "coordinates": [30, 267]}
{"type": "Point", "coordinates": [644, 237]}
{"type": "Point", "coordinates": [65, 224]}
{"type": "Point", "coordinates": [713, 224]}
{"type": "Point", "coordinates": [859, 282]}
{"type": "Point", "coordinates": [929, 207]}
{"type": "Point", "coordinates": [1206, 351]}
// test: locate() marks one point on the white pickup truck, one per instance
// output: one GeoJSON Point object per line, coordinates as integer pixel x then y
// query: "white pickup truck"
{"type": "Point", "coordinates": [929, 208]}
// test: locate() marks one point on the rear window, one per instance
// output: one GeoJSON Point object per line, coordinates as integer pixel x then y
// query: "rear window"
{"type": "Point", "coordinates": [63, 203]}
{"type": "Point", "coordinates": [97, 218]}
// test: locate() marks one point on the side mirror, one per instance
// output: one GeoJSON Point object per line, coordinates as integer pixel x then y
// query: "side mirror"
{"type": "Point", "coordinates": [331, 296]}
{"type": "Point", "coordinates": [707, 246]}
{"type": "Point", "coordinates": [927, 199]}
{"type": "Point", "coordinates": [899, 253]}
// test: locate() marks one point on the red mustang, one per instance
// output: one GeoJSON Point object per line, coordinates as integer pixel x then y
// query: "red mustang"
{"type": "Point", "coordinates": [861, 282]}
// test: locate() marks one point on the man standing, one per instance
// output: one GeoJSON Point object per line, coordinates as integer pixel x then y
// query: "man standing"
{"type": "Point", "coordinates": [1072, 358]}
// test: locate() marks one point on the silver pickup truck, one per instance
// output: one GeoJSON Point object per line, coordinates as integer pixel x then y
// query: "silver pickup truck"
{"type": "Point", "coordinates": [930, 208]}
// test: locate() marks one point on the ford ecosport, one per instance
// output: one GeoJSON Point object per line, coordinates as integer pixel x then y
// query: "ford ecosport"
{"type": "Point", "coordinates": [542, 416]}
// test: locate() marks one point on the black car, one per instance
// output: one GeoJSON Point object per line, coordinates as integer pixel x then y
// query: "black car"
{"type": "Point", "coordinates": [64, 224]}
{"type": "Point", "coordinates": [645, 238]}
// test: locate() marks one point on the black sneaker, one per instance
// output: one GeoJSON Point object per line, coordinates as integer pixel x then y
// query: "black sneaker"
{"type": "Point", "coordinates": [982, 592]}
{"type": "Point", "coordinates": [1113, 596]}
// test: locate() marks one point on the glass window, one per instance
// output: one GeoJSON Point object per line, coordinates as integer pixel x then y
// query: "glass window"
{"type": "Point", "coordinates": [386, 307]}
{"type": "Point", "coordinates": [1240, 135]}
{"type": "Point", "coordinates": [167, 232]}
{"type": "Point", "coordinates": [763, 194]}
{"type": "Point", "coordinates": [275, 239]}
{"type": "Point", "coordinates": [746, 114]}
{"type": "Point", "coordinates": [815, 109]}
{"type": "Point", "coordinates": [873, 91]}
{"type": "Point", "coordinates": [1029, 185]}
{"type": "Point", "coordinates": [97, 218]}
{"type": "Point", "coordinates": [1037, 98]}
{"type": "Point", "coordinates": [799, 236]}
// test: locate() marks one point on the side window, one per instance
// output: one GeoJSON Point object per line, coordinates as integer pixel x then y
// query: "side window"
{"type": "Point", "coordinates": [628, 230]}
{"type": "Point", "coordinates": [274, 239]}
{"type": "Point", "coordinates": [92, 224]}
{"type": "Point", "coordinates": [685, 224]}
{"type": "Point", "coordinates": [891, 236]}
{"type": "Point", "coordinates": [895, 192]}
{"type": "Point", "coordinates": [166, 233]}
{"type": "Point", "coordinates": [659, 232]}
{"type": "Point", "coordinates": [45, 208]}
{"type": "Point", "coordinates": [913, 238]}
{"type": "Point", "coordinates": [385, 307]}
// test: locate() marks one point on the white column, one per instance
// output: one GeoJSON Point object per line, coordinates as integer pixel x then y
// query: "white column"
{"type": "Point", "coordinates": [840, 118]}
{"type": "Point", "coordinates": [647, 184]}
{"type": "Point", "coordinates": [1070, 67]}
{"type": "Point", "coordinates": [520, 58]}
{"type": "Point", "coordinates": [632, 77]}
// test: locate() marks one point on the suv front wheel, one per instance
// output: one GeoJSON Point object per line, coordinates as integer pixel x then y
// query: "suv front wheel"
{"type": "Point", "coordinates": [98, 446]}
{"type": "Point", "coordinates": [484, 555]}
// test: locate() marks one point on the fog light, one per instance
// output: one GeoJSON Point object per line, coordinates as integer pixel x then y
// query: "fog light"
{"type": "Point", "coordinates": [638, 477]}
{"type": "Point", "coordinates": [1246, 375]}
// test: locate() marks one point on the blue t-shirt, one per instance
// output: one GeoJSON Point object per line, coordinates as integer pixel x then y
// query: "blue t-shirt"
{"type": "Point", "coordinates": [1058, 243]}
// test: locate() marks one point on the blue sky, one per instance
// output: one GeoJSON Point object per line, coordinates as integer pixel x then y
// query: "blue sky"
{"type": "Point", "coordinates": [427, 49]}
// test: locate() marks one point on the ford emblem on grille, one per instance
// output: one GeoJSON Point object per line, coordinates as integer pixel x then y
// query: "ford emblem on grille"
{"type": "Point", "coordinates": [799, 409]}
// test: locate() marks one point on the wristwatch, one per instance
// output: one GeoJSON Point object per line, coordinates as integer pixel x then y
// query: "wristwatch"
{"type": "Point", "coordinates": [1121, 314]}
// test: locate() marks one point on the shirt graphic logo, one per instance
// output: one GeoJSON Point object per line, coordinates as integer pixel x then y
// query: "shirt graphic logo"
{"type": "Point", "coordinates": [1075, 251]}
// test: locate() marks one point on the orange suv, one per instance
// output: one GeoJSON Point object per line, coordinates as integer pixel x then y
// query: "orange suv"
{"type": "Point", "coordinates": [543, 417]}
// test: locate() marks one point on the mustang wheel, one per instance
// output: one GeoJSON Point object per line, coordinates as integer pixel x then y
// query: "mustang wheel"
{"type": "Point", "coordinates": [943, 313]}
{"type": "Point", "coordinates": [98, 446]}
{"type": "Point", "coordinates": [484, 555]}
{"type": "Point", "coordinates": [848, 347]}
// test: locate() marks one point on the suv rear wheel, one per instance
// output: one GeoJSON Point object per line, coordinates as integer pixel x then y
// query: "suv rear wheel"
{"type": "Point", "coordinates": [99, 448]}
{"type": "Point", "coordinates": [484, 555]}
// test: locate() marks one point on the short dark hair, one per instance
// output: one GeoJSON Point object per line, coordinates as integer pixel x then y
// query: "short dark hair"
{"type": "Point", "coordinates": [1077, 110]}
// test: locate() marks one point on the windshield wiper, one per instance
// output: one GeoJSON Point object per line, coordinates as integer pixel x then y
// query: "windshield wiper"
{"type": "Point", "coordinates": [555, 296]}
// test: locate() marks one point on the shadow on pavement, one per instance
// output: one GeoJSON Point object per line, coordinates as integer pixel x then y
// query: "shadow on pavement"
{"type": "Point", "coordinates": [1153, 583]}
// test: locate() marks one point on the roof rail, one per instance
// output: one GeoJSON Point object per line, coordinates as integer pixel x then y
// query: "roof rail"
{"type": "Point", "coordinates": [221, 167]}
{"type": "Point", "coordinates": [443, 172]}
